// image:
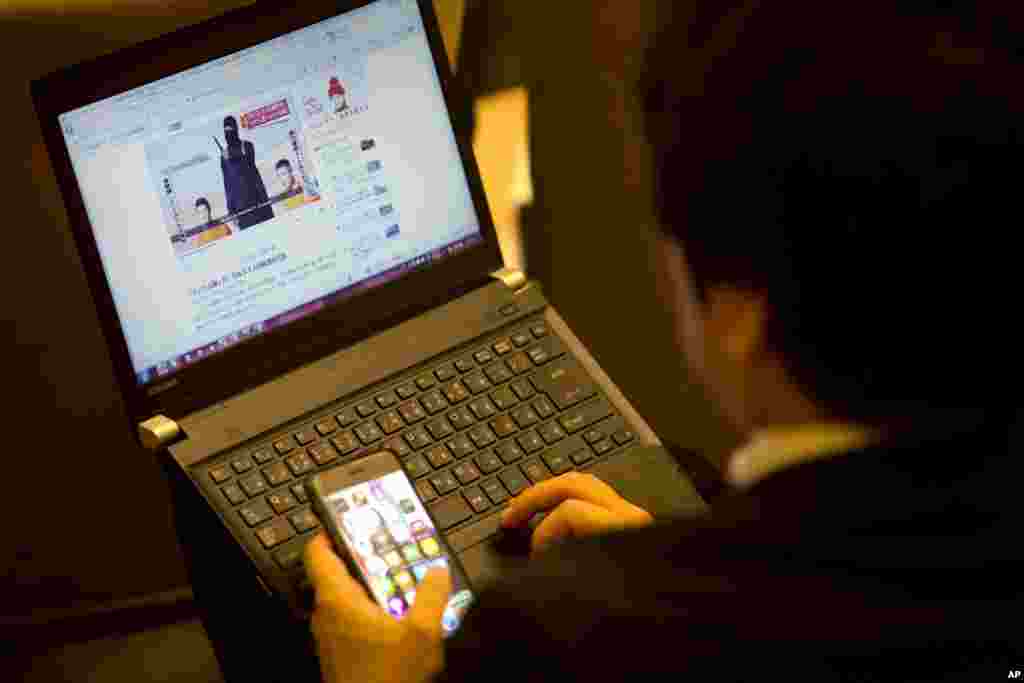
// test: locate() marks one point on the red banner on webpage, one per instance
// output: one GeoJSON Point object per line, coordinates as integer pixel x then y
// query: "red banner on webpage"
{"type": "Point", "coordinates": [265, 114]}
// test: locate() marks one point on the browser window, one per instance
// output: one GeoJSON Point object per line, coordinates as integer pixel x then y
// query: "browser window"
{"type": "Point", "coordinates": [256, 189]}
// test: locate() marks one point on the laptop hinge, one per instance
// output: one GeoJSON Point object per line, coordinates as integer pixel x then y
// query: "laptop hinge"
{"type": "Point", "coordinates": [158, 432]}
{"type": "Point", "coordinates": [513, 278]}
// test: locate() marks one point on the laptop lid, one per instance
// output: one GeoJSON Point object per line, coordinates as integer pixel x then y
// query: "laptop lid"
{"type": "Point", "coordinates": [257, 191]}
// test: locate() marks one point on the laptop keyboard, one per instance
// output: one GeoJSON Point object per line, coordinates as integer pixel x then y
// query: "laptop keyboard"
{"type": "Point", "coordinates": [471, 431]}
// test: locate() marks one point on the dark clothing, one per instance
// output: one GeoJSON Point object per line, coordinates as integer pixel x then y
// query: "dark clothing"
{"type": "Point", "coordinates": [243, 185]}
{"type": "Point", "coordinates": [900, 562]}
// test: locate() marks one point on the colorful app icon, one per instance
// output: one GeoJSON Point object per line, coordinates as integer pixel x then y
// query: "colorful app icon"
{"type": "Point", "coordinates": [420, 529]}
{"type": "Point", "coordinates": [407, 506]}
{"type": "Point", "coordinates": [382, 586]}
{"type": "Point", "coordinates": [430, 547]}
{"type": "Point", "coordinates": [396, 606]}
{"type": "Point", "coordinates": [393, 559]}
{"type": "Point", "coordinates": [410, 598]}
{"type": "Point", "coordinates": [420, 570]}
{"type": "Point", "coordinates": [411, 552]}
{"type": "Point", "coordinates": [404, 580]}
{"type": "Point", "coordinates": [359, 499]}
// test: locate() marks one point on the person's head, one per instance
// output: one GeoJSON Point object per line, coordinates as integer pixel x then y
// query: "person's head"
{"type": "Point", "coordinates": [828, 189]}
{"type": "Point", "coordinates": [231, 130]}
{"type": "Point", "coordinates": [204, 210]}
{"type": "Point", "coordinates": [283, 168]}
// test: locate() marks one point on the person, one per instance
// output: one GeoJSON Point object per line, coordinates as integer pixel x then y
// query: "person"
{"type": "Point", "coordinates": [243, 185]}
{"type": "Point", "coordinates": [825, 187]}
{"type": "Point", "coordinates": [289, 183]}
{"type": "Point", "coordinates": [204, 211]}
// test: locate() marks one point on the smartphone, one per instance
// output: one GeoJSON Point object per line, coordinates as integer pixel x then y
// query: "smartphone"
{"type": "Point", "coordinates": [385, 534]}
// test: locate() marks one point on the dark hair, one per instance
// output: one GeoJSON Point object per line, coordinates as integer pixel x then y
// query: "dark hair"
{"type": "Point", "coordinates": [232, 121]}
{"type": "Point", "coordinates": [202, 202]}
{"type": "Point", "coordinates": [283, 163]}
{"type": "Point", "coordinates": [854, 165]}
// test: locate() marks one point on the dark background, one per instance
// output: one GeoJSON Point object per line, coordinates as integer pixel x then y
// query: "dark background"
{"type": "Point", "coordinates": [86, 512]}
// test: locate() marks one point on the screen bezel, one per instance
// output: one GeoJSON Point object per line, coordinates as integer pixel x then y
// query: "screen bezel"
{"type": "Point", "coordinates": [280, 350]}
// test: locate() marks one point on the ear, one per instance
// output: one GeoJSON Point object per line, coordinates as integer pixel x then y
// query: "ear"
{"type": "Point", "coordinates": [736, 319]}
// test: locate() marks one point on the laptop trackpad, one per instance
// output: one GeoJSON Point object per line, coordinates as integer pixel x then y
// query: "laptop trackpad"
{"type": "Point", "coordinates": [646, 476]}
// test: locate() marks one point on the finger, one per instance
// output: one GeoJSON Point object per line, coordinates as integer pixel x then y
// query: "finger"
{"type": "Point", "coordinates": [432, 595]}
{"type": "Point", "coordinates": [329, 575]}
{"type": "Point", "coordinates": [550, 493]}
{"type": "Point", "coordinates": [571, 519]}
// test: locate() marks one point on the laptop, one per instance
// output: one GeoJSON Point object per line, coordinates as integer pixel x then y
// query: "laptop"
{"type": "Point", "coordinates": [294, 265]}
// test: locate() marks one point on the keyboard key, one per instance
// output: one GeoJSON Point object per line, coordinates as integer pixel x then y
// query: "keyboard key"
{"type": "Point", "coordinates": [446, 372]}
{"type": "Point", "coordinates": [535, 470]}
{"type": "Point", "coordinates": [522, 389]}
{"type": "Point", "coordinates": [488, 462]}
{"type": "Point", "coordinates": [390, 422]}
{"type": "Point", "coordinates": [366, 409]}
{"type": "Point", "coordinates": [483, 356]}
{"type": "Point", "coordinates": [539, 330]}
{"type": "Point", "coordinates": [300, 463]}
{"type": "Point", "coordinates": [440, 428]}
{"type": "Point", "coordinates": [509, 452]}
{"type": "Point", "coordinates": [406, 391]}
{"type": "Point", "coordinates": [498, 373]}
{"type": "Point", "coordinates": [585, 415]}
{"type": "Point", "coordinates": [418, 438]}
{"type": "Point", "coordinates": [461, 446]}
{"type": "Point", "coordinates": [397, 446]}
{"type": "Point", "coordinates": [282, 502]}
{"type": "Point", "coordinates": [417, 467]}
{"type": "Point", "coordinates": [530, 442]}
{"type": "Point", "coordinates": [481, 436]}
{"type": "Point", "coordinates": [593, 435]}
{"type": "Point", "coordinates": [347, 417]}
{"type": "Point", "coordinates": [476, 499]}
{"type": "Point", "coordinates": [466, 472]}
{"type": "Point", "coordinates": [369, 432]}
{"type": "Point", "coordinates": [544, 408]}
{"type": "Point", "coordinates": [345, 442]}
{"type": "Point", "coordinates": [234, 494]}
{"type": "Point", "coordinates": [283, 446]}
{"type": "Point", "coordinates": [509, 309]}
{"type": "Point", "coordinates": [304, 520]}
{"type": "Point", "coordinates": [503, 426]}
{"type": "Point", "coordinates": [299, 491]}
{"type": "Point", "coordinates": [439, 456]}
{"type": "Point", "coordinates": [482, 408]}
{"type": "Point", "coordinates": [275, 533]}
{"type": "Point", "coordinates": [513, 480]}
{"type": "Point", "coordinates": [603, 446]}
{"type": "Point", "coordinates": [412, 412]}
{"type": "Point", "coordinates": [444, 482]}
{"type": "Point", "coordinates": [455, 392]}
{"type": "Point", "coordinates": [322, 453]}
{"type": "Point", "coordinates": [450, 512]}
{"type": "Point", "coordinates": [241, 464]}
{"type": "Point", "coordinates": [565, 382]}
{"type": "Point", "coordinates": [525, 416]}
{"type": "Point", "coordinates": [256, 512]}
{"type": "Point", "coordinates": [305, 436]}
{"type": "Point", "coordinates": [326, 427]}
{"type": "Point", "coordinates": [425, 382]}
{"type": "Point", "coordinates": [557, 462]}
{"type": "Point", "coordinates": [434, 402]}
{"type": "Point", "coordinates": [220, 474]}
{"type": "Point", "coordinates": [461, 417]}
{"type": "Point", "coordinates": [502, 346]}
{"type": "Point", "coordinates": [623, 436]}
{"type": "Point", "coordinates": [504, 398]}
{"type": "Point", "coordinates": [519, 363]}
{"type": "Point", "coordinates": [262, 456]}
{"type": "Point", "coordinates": [476, 382]}
{"type": "Point", "coordinates": [387, 400]}
{"type": "Point", "coordinates": [464, 365]}
{"type": "Point", "coordinates": [580, 457]}
{"type": "Point", "coordinates": [520, 339]}
{"type": "Point", "coordinates": [551, 432]}
{"type": "Point", "coordinates": [277, 474]}
{"type": "Point", "coordinates": [290, 556]}
{"type": "Point", "coordinates": [253, 485]}
{"type": "Point", "coordinates": [426, 491]}
{"type": "Point", "coordinates": [494, 490]}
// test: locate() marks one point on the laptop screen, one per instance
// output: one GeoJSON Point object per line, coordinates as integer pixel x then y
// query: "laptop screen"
{"type": "Point", "coordinates": [254, 190]}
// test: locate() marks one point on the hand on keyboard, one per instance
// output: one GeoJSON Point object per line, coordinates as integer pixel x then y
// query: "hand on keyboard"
{"type": "Point", "coordinates": [577, 505]}
{"type": "Point", "coordinates": [357, 640]}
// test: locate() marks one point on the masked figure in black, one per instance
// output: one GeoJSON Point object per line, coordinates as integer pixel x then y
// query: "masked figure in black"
{"type": "Point", "coordinates": [242, 182]}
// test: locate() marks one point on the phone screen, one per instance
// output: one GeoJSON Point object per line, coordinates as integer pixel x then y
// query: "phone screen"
{"type": "Point", "coordinates": [393, 541]}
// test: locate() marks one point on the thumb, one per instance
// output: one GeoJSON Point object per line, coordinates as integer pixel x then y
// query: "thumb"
{"type": "Point", "coordinates": [431, 598]}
